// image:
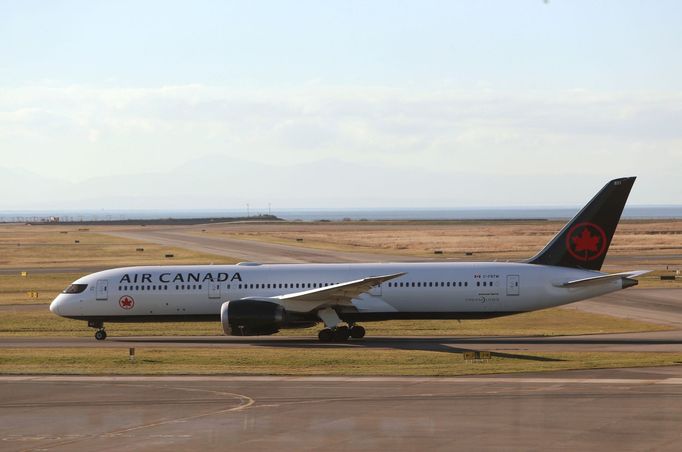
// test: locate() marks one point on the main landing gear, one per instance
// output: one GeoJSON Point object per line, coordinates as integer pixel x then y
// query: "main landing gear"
{"type": "Point", "coordinates": [341, 333]}
{"type": "Point", "coordinates": [100, 334]}
{"type": "Point", "coordinates": [334, 331]}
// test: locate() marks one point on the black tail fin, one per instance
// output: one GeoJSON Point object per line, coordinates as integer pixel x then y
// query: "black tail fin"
{"type": "Point", "coordinates": [584, 241]}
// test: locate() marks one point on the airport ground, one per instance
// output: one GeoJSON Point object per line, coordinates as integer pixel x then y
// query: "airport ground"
{"type": "Point", "coordinates": [623, 409]}
{"type": "Point", "coordinates": [628, 406]}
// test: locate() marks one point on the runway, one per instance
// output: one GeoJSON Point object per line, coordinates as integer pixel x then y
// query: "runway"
{"type": "Point", "coordinates": [253, 251]}
{"type": "Point", "coordinates": [626, 409]}
{"type": "Point", "coordinates": [664, 341]}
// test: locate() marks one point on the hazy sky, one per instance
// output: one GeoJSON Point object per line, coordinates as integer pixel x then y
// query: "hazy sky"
{"type": "Point", "coordinates": [95, 94]}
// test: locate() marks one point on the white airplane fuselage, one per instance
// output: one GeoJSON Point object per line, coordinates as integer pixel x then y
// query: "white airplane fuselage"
{"type": "Point", "coordinates": [254, 299]}
{"type": "Point", "coordinates": [426, 290]}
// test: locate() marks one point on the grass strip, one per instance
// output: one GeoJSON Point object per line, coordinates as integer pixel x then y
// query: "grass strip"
{"type": "Point", "coordinates": [304, 361]}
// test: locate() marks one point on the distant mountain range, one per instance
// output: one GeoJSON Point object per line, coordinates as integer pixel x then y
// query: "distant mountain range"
{"type": "Point", "coordinates": [221, 182]}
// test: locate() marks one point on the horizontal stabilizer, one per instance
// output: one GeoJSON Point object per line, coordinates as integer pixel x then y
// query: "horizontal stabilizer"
{"type": "Point", "coordinates": [602, 279]}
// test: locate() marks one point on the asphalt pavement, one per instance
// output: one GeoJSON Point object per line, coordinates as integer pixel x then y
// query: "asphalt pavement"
{"type": "Point", "coordinates": [615, 409]}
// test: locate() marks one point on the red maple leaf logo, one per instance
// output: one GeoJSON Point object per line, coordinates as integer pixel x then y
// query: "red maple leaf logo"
{"type": "Point", "coordinates": [586, 242]}
{"type": "Point", "coordinates": [126, 302]}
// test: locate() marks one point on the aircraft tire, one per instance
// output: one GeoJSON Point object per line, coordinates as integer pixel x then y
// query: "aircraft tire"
{"type": "Point", "coordinates": [341, 334]}
{"type": "Point", "coordinates": [357, 332]}
{"type": "Point", "coordinates": [100, 335]}
{"type": "Point", "coordinates": [325, 335]}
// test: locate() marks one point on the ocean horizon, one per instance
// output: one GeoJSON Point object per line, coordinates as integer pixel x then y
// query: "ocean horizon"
{"type": "Point", "coordinates": [317, 214]}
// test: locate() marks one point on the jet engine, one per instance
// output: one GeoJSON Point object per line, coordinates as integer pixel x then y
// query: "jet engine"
{"type": "Point", "coordinates": [251, 317]}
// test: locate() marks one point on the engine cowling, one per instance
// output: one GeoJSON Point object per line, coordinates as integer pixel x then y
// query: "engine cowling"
{"type": "Point", "coordinates": [252, 317]}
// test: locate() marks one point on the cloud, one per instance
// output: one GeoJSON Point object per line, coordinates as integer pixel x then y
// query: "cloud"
{"type": "Point", "coordinates": [78, 132]}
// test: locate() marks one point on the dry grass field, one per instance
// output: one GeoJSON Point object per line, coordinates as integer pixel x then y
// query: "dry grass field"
{"type": "Point", "coordinates": [55, 255]}
{"type": "Point", "coordinates": [55, 247]}
{"type": "Point", "coordinates": [653, 245]}
{"type": "Point", "coordinates": [486, 239]}
{"type": "Point", "coordinates": [68, 252]}
{"type": "Point", "coordinates": [35, 288]}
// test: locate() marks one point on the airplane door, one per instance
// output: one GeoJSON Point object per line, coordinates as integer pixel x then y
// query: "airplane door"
{"type": "Point", "coordinates": [213, 290]}
{"type": "Point", "coordinates": [102, 289]}
{"type": "Point", "coordinates": [513, 282]}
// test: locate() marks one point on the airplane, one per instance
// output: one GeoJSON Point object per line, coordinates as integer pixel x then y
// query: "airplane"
{"type": "Point", "coordinates": [252, 299]}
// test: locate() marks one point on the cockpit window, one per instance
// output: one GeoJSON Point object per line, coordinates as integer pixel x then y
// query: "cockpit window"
{"type": "Point", "coordinates": [75, 288]}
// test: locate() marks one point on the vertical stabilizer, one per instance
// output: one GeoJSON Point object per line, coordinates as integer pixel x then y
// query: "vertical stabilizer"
{"type": "Point", "coordinates": [584, 241]}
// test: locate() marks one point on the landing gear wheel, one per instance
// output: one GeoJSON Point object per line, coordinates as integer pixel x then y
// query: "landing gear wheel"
{"type": "Point", "coordinates": [100, 335]}
{"type": "Point", "coordinates": [325, 335]}
{"type": "Point", "coordinates": [357, 332]}
{"type": "Point", "coordinates": [341, 334]}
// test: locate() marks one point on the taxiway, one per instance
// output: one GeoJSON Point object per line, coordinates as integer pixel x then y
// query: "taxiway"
{"type": "Point", "coordinates": [615, 409]}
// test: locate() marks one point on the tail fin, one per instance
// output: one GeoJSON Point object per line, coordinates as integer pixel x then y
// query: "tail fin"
{"type": "Point", "coordinates": [584, 241]}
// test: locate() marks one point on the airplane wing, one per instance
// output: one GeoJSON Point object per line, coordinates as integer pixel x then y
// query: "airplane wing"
{"type": "Point", "coordinates": [334, 295]}
{"type": "Point", "coordinates": [601, 279]}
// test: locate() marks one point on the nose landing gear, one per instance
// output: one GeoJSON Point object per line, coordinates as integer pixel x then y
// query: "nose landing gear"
{"type": "Point", "coordinates": [100, 334]}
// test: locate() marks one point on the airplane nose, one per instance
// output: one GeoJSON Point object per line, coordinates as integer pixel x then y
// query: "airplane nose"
{"type": "Point", "coordinates": [54, 306]}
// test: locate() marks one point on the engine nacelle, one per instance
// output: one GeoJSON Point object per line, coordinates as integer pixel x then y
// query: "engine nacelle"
{"type": "Point", "coordinates": [252, 317]}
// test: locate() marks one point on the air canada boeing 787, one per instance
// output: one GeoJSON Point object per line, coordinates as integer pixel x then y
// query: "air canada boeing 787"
{"type": "Point", "coordinates": [259, 299]}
